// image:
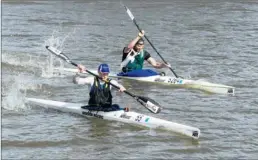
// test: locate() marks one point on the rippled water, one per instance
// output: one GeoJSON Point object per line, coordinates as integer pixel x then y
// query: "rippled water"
{"type": "Point", "coordinates": [213, 41]}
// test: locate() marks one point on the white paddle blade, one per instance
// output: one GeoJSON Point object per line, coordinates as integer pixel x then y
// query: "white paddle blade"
{"type": "Point", "coordinates": [152, 107]}
{"type": "Point", "coordinates": [129, 13]}
{"type": "Point", "coordinates": [58, 53]}
{"type": "Point", "coordinates": [53, 50]}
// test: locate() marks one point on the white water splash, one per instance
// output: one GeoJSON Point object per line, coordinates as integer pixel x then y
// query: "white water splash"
{"type": "Point", "coordinates": [48, 69]}
{"type": "Point", "coordinates": [57, 42]}
{"type": "Point", "coordinates": [14, 96]}
{"type": "Point", "coordinates": [16, 90]}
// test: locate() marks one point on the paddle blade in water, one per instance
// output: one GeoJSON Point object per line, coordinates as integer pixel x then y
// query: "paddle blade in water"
{"type": "Point", "coordinates": [150, 104]}
{"type": "Point", "coordinates": [153, 107]}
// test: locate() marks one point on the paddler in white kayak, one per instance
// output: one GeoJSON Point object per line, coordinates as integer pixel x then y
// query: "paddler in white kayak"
{"type": "Point", "coordinates": [133, 59]}
{"type": "Point", "coordinates": [100, 91]}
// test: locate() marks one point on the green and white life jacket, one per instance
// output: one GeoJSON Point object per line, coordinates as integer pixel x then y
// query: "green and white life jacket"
{"type": "Point", "coordinates": [133, 62]}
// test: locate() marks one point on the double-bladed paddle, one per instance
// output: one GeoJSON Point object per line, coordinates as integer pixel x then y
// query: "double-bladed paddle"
{"type": "Point", "coordinates": [134, 21]}
{"type": "Point", "coordinates": [148, 103]}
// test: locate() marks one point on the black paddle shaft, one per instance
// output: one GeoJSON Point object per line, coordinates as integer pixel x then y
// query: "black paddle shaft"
{"type": "Point", "coordinates": [138, 27]}
{"type": "Point", "coordinates": [154, 48]}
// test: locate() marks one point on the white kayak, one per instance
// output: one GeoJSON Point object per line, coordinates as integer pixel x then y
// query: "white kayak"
{"type": "Point", "coordinates": [168, 80]}
{"type": "Point", "coordinates": [120, 115]}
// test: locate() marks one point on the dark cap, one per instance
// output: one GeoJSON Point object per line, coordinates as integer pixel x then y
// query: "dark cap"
{"type": "Point", "coordinates": [103, 68]}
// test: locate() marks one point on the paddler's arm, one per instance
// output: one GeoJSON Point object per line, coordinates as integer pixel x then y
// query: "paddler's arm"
{"type": "Point", "coordinates": [133, 42]}
{"type": "Point", "coordinates": [79, 80]}
{"type": "Point", "coordinates": [82, 81]}
{"type": "Point", "coordinates": [122, 88]}
{"type": "Point", "coordinates": [156, 64]}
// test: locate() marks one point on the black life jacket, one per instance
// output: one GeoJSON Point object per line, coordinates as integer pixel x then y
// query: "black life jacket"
{"type": "Point", "coordinates": [100, 95]}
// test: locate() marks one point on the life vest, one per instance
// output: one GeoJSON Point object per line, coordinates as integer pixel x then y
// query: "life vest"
{"type": "Point", "coordinates": [136, 63]}
{"type": "Point", "coordinates": [100, 95]}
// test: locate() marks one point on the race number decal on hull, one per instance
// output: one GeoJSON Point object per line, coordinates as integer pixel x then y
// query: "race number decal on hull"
{"type": "Point", "coordinates": [169, 80]}
{"type": "Point", "coordinates": [138, 118]}
{"type": "Point", "coordinates": [173, 80]}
